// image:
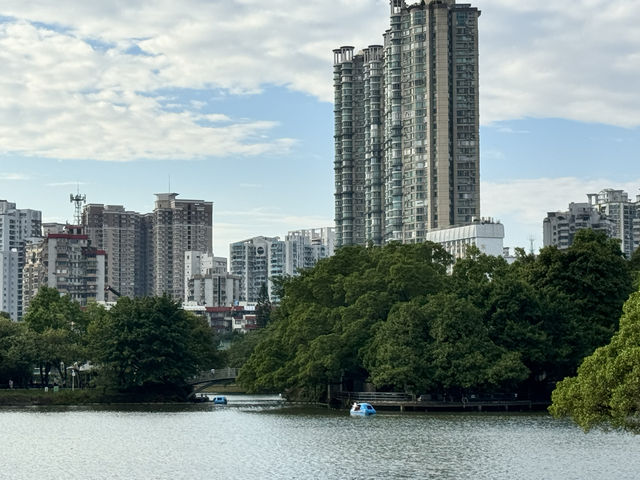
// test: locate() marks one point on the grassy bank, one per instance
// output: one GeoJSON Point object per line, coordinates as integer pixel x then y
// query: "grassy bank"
{"type": "Point", "coordinates": [78, 397]}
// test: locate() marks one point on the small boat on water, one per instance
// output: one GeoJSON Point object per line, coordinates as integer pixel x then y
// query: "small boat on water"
{"type": "Point", "coordinates": [220, 400]}
{"type": "Point", "coordinates": [362, 409]}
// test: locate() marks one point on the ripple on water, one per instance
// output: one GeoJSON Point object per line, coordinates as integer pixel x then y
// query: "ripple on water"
{"type": "Point", "coordinates": [201, 442]}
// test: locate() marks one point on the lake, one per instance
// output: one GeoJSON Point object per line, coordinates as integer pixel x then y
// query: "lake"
{"type": "Point", "coordinates": [250, 438]}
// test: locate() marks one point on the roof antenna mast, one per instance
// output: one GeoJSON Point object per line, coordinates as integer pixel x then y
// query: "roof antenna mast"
{"type": "Point", "coordinates": [79, 200]}
{"type": "Point", "coordinates": [531, 240]}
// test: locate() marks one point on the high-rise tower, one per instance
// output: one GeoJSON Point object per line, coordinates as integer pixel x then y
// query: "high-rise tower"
{"type": "Point", "coordinates": [18, 228]}
{"type": "Point", "coordinates": [179, 225]}
{"type": "Point", "coordinates": [407, 127]}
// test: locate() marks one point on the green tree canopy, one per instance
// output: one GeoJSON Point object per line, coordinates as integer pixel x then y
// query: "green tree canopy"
{"type": "Point", "coordinates": [17, 352]}
{"type": "Point", "coordinates": [606, 390]}
{"type": "Point", "coordinates": [58, 326]}
{"type": "Point", "coordinates": [393, 317]}
{"type": "Point", "coordinates": [150, 344]}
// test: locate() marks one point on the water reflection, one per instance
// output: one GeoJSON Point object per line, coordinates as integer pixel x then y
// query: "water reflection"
{"type": "Point", "coordinates": [254, 441]}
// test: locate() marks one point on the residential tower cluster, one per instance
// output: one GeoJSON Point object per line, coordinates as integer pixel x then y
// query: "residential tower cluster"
{"type": "Point", "coordinates": [406, 169]}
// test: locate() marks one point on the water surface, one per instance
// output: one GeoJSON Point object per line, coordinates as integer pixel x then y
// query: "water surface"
{"type": "Point", "coordinates": [251, 438]}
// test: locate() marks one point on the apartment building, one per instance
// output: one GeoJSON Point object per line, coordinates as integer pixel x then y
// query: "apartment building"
{"type": "Point", "coordinates": [124, 236]}
{"type": "Point", "coordinates": [65, 261]}
{"type": "Point", "coordinates": [207, 281]}
{"type": "Point", "coordinates": [18, 228]}
{"type": "Point", "coordinates": [623, 213]}
{"type": "Point", "coordinates": [179, 225]}
{"type": "Point", "coordinates": [610, 211]}
{"type": "Point", "coordinates": [559, 228]}
{"type": "Point", "coordinates": [407, 127]}
{"type": "Point", "coordinates": [259, 259]}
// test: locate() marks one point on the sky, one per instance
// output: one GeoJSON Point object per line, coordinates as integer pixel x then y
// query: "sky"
{"type": "Point", "coordinates": [230, 102]}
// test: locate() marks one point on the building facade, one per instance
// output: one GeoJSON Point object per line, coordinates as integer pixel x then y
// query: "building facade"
{"type": "Point", "coordinates": [559, 228]}
{"type": "Point", "coordinates": [257, 260]}
{"type": "Point", "coordinates": [610, 211]}
{"type": "Point", "coordinates": [179, 225]}
{"type": "Point", "coordinates": [207, 281]}
{"type": "Point", "coordinates": [623, 213]}
{"type": "Point", "coordinates": [485, 234]}
{"type": "Point", "coordinates": [407, 127]}
{"type": "Point", "coordinates": [18, 228]}
{"type": "Point", "coordinates": [325, 236]}
{"type": "Point", "coordinates": [251, 261]}
{"type": "Point", "coordinates": [65, 261]}
{"type": "Point", "coordinates": [123, 235]}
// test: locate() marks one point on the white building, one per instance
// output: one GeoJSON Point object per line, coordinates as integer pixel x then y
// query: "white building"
{"type": "Point", "coordinates": [485, 234]}
{"type": "Point", "coordinates": [609, 211]}
{"type": "Point", "coordinates": [624, 213]}
{"type": "Point", "coordinates": [207, 281]}
{"type": "Point", "coordinates": [259, 259]}
{"type": "Point", "coordinates": [560, 228]}
{"type": "Point", "coordinates": [319, 236]}
{"type": "Point", "coordinates": [18, 227]}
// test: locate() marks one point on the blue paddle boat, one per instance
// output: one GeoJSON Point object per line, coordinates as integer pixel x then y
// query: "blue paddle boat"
{"type": "Point", "coordinates": [220, 400]}
{"type": "Point", "coordinates": [362, 409]}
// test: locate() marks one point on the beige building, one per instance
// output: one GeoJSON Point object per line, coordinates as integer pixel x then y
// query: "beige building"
{"type": "Point", "coordinates": [407, 127]}
{"type": "Point", "coordinates": [179, 225]}
{"type": "Point", "coordinates": [125, 237]}
{"type": "Point", "coordinates": [65, 261]}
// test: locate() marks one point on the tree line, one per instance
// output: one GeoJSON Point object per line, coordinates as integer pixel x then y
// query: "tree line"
{"type": "Point", "coordinates": [141, 345]}
{"type": "Point", "coordinates": [405, 318]}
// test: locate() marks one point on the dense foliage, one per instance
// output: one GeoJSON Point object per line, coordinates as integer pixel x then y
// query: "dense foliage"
{"type": "Point", "coordinates": [141, 345]}
{"type": "Point", "coordinates": [150, 344]}
{"type": "Point", "coordinates": [606, 391]}
{"type": "Point", "coordinates": [395, 317]}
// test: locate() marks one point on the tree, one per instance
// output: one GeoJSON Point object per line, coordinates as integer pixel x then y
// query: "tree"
{"type": "Point", "coordinates": [263, 307]}
{"type": "Point", "coordinates": [606, 390]}
{"type": "Point", "coordinates": [150, 345]}
{"type": "Point", "coordinates": [242, 345]}
{"type": "Point", "coordinates": [462, 354]}
{"type": "Point", "coordinates": [581, 292]}
{"type": "Point", "coordinates": [59, 327]}
{"type": "Point", "coordinates": [17, 353]}
{"type": "Point", "coordinates": [397, 355]}
{"type": "Point", "coordinates": [634, 267]}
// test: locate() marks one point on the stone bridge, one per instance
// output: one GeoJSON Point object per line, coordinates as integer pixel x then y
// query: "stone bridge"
{"type": "Point", "coordinates": [218, 376]}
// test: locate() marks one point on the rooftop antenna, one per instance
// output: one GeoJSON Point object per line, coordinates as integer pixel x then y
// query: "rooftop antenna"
{"type": "Point", "coordinates": [79, 200]}
{"type": "Point", "coordinates": [169, 177]}
{"type": "Point", "coordinates": [531, 240]}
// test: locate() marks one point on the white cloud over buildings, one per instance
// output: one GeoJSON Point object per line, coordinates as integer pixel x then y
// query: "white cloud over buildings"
{"type": "Point", "coordinates": [86, 85]}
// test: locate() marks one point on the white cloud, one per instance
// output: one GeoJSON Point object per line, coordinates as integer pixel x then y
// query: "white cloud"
{"type": "Point", "coordinates": [553, 59]}
{"type": "Point", "coordinates": [60, 98]}
{"type": "Point", "coordinates": [66, 184]}
{"type": "Point", "coordinates": [6, 176]}
{"type": "Point", "coordinates": [522, 204]}
{"type": "Point", "coordinates": [88, 85]}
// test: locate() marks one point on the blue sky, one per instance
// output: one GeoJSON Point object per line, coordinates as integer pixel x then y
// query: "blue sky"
{"type": "Point", "coordinates": [231, 102]}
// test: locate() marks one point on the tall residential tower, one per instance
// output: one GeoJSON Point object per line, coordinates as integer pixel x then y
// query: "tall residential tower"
{"type": "Point", "coordinates": [407, 127]}
{"type": "Point", "coordinates": [18, 228]}
{"type": "Point", "coordinates": [179, 225]}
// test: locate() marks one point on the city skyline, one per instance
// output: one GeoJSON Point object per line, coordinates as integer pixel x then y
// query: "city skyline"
{"type": "Point", "coordinates": [207, 100]}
